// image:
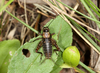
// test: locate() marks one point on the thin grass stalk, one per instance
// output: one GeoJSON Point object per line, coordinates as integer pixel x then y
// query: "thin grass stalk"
{"type": "Point", "coordinates": [89, 39]}
{"type": "Point", "coordinates": [85, 35]}
{"type": "Point", "coordinates": [87, 68]}
{"type": "Point", "coordinates": [8, 3]}
{"type": "Point", "coordinates": [92, 7]}
{"type": "Point", "coordinates": [87, 8]}
{"type": "Point", "coordinates": [88, 33]}
{"type": "Point", "coordinates": [22, 22]}
{"type": "Point", "coordinates": [79, 70]}
{"type": "Point", "coordinates": [79, 12]}
{"type": "Point", "coordinates": [90, 12]}
{"type": "Point", "coordinates": [1, 3]}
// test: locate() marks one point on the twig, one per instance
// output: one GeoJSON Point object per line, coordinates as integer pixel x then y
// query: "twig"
{"type": "Point", "coordinates": [76, 6]}
{"type": "Point", "coordinates": [23, 6]}
{"type": "Point", "coordinates": [45, 14]}
{"type": "Point", "coordinates": [41, 7]}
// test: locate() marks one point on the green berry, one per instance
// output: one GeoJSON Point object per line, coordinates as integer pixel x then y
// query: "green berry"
{"type": "Point", "coordinates": [71, 56]}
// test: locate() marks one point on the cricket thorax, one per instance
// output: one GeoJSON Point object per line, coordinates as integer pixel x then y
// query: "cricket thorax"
{"type": "Point", "coordinates": [46, 35]}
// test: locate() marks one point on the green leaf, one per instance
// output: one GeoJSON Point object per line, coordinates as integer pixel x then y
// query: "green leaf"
{"type": "Point", "coordinates": [7, 49]}
{"type": "Point", "coordinates": [22, 64]}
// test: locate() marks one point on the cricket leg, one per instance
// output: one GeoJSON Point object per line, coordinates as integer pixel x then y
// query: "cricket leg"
{"type": "Point", "coordinates": [38, 47]}
{"type": "Point", "coordinates": [55, 44]}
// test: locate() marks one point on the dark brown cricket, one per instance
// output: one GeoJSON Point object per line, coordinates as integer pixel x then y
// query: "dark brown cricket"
{"type": "Point", "coordinates": [47, 43]}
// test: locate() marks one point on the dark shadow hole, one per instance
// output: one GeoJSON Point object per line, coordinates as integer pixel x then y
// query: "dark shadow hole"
{"type": "Point", "coordinates": [87, 57]}
{"type": "Point", "coordinates": [26, 52]}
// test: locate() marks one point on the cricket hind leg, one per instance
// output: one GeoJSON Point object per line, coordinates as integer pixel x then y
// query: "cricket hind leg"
{"type": "Point", "coordinates": [50, 59]}
{"type": "Point", "coordinates": [43, 61]}
{"type": "Point", "coordinates": [55, 50]}
{"type": "Point", "coordinates": [55, 44]}
{"type": "Point", "coordinates": [53, 61]}
{"type": "Point", "coordinates": [46, 58]}
{"type": "Point", "coordinates": [38, 47]}
{"type": "Point", "coordinates": [41, 55]}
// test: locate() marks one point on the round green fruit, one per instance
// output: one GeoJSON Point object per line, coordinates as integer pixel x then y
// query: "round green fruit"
{"type": "Point", "coordinates": [71, 56]}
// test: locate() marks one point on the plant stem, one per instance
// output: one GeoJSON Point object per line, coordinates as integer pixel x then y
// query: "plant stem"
{"type": "Point", "coordinates": [10, 1]}
{"type": "Point", "coordinates": [22, 22]}
{"type": "Point", "coordinates": [90, 12]}
{"type": "Point", "coordinates": [88, 33]}
{"type": "Point", "coordinates": [79, 70]}
{"type": "Point", "coordinates": [83, 29]}
{"type": "Point", "coordinates": [87, 68]}
{"type": "Point", "coordinates": [88, 38]}
{"type": "Point", "coordinates": [92, 7]}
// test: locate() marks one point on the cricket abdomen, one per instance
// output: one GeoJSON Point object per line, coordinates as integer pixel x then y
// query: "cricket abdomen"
{"type": "Point", "coordinates": [47, 47]}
